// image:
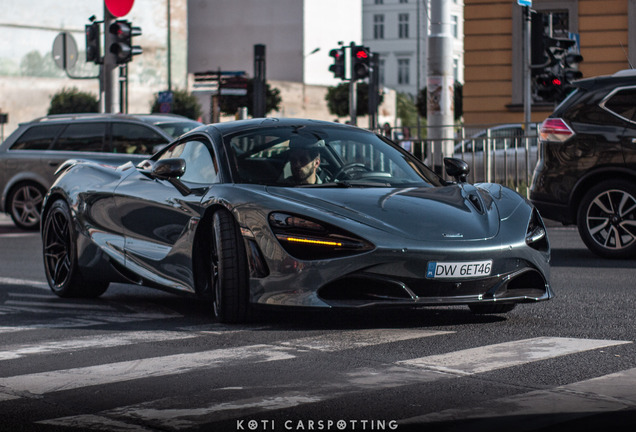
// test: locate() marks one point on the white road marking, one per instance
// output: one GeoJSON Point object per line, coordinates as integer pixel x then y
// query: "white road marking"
{"type": "Point", "coordinates": [498, 356]}
{"type": "Point", "coordinates": [25, 282]}
{"type": "Point", "coordinates": [607, 393]}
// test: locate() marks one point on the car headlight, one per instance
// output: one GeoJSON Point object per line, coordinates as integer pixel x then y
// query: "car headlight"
{"type": "Point", "coordinates": [307, 239]}
{"type": "Point", "coordinates": [536, 234]}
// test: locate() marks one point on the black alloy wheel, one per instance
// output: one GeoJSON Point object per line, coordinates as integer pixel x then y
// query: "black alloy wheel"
{"type": "Point", "coordinates": [607, 219]}
{"type": "Point", "coordinates": [60, 256]}
{"type": "Point", "coordinates": [25, 205]}
{"type": "Point", "coordinates": [229, 270]}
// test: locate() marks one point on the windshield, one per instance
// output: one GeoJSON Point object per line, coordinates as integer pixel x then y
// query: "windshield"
{"type": "Point", "coordinates": [323, 157]}
{"type": "Point", "coordinates": [176, 129]}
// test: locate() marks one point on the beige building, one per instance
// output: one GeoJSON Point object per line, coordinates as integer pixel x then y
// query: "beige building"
{"type": "Point", "coordinates": [493, 92]}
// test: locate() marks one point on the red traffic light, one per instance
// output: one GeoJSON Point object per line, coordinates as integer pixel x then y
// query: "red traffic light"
{"type": "Point", "coordinates": [556, 81]}
{"type": "Point", "coordinates": [362, 54]}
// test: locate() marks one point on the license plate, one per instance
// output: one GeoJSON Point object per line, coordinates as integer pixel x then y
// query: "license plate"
{"type": "Point", "coordinates": [465, 269]}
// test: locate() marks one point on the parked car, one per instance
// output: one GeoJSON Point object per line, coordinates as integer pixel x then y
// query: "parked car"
{"type": "Point", "coordinates": [586, 174]}
{"type": "Point", "coordinates": [216, 214]}
{"type": "Point", "coordinates": [505, 150]}
{"type": "Point", "coordinates": [32, 153]}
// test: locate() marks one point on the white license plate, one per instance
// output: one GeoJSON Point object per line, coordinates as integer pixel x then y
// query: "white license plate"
{"type": "Point", "coordinates": [465, 269]}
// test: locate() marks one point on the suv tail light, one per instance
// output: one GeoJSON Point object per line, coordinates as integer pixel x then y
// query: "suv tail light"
{"type": "Point", "coordinates": [555, 129]}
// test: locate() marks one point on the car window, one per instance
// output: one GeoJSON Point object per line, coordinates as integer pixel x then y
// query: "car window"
{"type": "Point", "coordinates": [135, 139]}
{"type": "Point", "coordinates": [84, 137]}
{"type": "Point", "coordinates": [623, 103]}
{"type": "Point", "coordinates": [345, 156]}
{"type": "Point", "coordinates": [37, 137]}
{"type": "Point", "coordinates": [201, 166]}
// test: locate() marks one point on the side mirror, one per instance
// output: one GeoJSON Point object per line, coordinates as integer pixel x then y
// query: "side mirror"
{"type": "Point", "coordinates": [457, 168]}
{"type": "Point", "coordinates": [168, 169]}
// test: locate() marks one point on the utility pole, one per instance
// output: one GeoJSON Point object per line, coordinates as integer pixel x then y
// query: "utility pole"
{"type": "Point", "coordinates": [109, 65]}
{"type": "Point", "coordinates": [440, 85]}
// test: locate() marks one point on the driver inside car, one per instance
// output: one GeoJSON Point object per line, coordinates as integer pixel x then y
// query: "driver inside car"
{"type": "Point", "coordinates": [304, 162]}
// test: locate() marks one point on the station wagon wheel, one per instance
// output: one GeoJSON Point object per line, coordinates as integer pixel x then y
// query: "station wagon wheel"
{"type": "Point", "coordinates": [229, 270]}
{"type": "Point", "coordinates": [60, 256]}
{"type": "Point", "coordinates": [25, 205]}
{"type": "Point", "coordinates": [607, 219]}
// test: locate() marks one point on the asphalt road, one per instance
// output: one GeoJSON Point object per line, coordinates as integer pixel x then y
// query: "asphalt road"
{"type": "Point", "coordinates": [142, 360]}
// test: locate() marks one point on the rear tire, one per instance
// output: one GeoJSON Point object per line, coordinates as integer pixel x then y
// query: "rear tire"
{"type": "Point", "coordinates": [24, 204]}
{"type": "Point", "coordinates": [606, 219]}
{"type": "Point", "coordinates": [229, 270]}
{"type": "Point", "coordinates": [60, 256]}
{"type": "Point", "coordinates": [491, 308]}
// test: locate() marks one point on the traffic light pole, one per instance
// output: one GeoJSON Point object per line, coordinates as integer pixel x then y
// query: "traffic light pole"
{"type": "Point", "coordinates": [353, 100]}
{"type": "Point", "coordinates": [527, 72]}
{"type": "Point", "coordinates": [109, 65]}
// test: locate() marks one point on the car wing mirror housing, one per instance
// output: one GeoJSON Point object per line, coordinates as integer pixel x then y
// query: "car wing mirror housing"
{"type": "Point", "coordinates": [165, 169]}
{"type": "Point", "coordinates": [457, 168]}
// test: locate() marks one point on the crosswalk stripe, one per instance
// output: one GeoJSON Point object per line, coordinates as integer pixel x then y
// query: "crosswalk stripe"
{"type": "Point", "coordinates": [45, 382]}
{"type": "Point", "coordinates": [99, 341]}
{"type": "Point", "coordinates": [165, 413]}
{"type": "Point", "coordinates": [492, 357]}
{"type": "Point", "coordinates": [31, 283]}
{"type": "Point", "coordinates": [608, 393]}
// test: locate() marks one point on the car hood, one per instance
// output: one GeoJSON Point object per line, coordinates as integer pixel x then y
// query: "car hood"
{"type": "Point", "coordinates": [454, 212]}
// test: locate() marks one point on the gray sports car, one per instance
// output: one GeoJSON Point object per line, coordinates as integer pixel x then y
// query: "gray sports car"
{"type": "Point", "coordinates": [293, 212]}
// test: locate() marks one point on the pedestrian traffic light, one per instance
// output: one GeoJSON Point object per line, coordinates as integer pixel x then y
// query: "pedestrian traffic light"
{"type": "Point", "coordinates": [360, 61]}
{"type": "Point", "coordinates": [338, 66]}
{"type": "Point", "coordinates": [122, 45]}
{"type": "Point", "coordinates": [93, 51]}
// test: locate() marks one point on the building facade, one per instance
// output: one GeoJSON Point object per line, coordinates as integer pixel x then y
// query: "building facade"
{"type": "Point", "coordinates": [398, 31]}
{"type": "Point", "coordinates": [493, 91]}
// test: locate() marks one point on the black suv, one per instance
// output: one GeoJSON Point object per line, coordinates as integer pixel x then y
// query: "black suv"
{"type": "Point", "coordinates": [32, 153]}
{"type": "Point", "coordinates": [586, 173]}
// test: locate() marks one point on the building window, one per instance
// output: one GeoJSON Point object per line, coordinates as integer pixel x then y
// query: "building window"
{"type": "Point", "coordinates": [403, 71]}
{"type": "Point", "coordinates": [403, 26]}
{"type": "Point", "coordinates": [456, 69]}
{"type": "Point", "coordinates": [404, 1]}
{"type": "Point", "coordinates": [379, 1]}
{"type": "Point", "coordinates": [454, 26]}
{"type": "Point", "coordinates": [378, 26]}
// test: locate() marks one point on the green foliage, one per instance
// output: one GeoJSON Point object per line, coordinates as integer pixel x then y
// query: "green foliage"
{"type": "Point", "coordinates": [71, 100]}
{"type": "Point", "coordinates": [406, 109]}
{"type": "Point", "coordinates": [338, 99]}
{"type": "Point", "coordinates": [458, 101]}
{"type": "Point", "coordinates": [183, 103]}
{"type": "Point", "coordinates": [231, 104]}
{"type": "Point", "coordinates": [36, 65]}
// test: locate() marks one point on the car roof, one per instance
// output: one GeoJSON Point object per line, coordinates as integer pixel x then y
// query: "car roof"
{"type": "Point", "coordinates": [231, 127]}
{"type": "Point", "coordinates": [624, 77]}
{"type": "Point", "coordinates": [146, 118]}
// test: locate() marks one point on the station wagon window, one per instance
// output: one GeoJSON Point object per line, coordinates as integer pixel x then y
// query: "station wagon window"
{"type": "Point", "coordinates": [135, 139]}
{"type": "Point", "coordinates": [37, 137]}
{"type": "Point", "coordinates": [201, 167]}
{"type": "Point", "coordinates": [85, 137]}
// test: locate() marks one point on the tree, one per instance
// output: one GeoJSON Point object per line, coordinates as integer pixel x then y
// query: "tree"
{"type": "Point", "coordinates": [71, 100]}
{"type": "Point", "coordinates": [406, 109]}
{"type": "Point", "coordinates": [458, 91]}
{"type": "Point", "coordinates": [338, 99]}
{"type": "Point", "coordinates": [231, 104]}
{"type": "Point", "coordinates": [183, 103]}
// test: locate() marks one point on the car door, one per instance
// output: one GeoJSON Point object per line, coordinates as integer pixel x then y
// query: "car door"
{"type": "Point", "coordinates": [159, 220]}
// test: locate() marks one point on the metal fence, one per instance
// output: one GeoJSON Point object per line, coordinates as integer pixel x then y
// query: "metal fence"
{"type": "Point", "coordinates": [502, 153]}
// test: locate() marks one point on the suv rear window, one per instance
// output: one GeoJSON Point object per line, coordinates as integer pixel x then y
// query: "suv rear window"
{"type": "Point", "coordinates": [37, 137]}
{"type": "Point", "coordinates": [87, 137]}
{"type": "Point", "coordinates": [623, 103]}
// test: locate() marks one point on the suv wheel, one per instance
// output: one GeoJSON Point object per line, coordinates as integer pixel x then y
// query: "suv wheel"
{"type": "Point", "coordinates": [607, 219]}
{"type": "Point", "coordinates": [25, 205]}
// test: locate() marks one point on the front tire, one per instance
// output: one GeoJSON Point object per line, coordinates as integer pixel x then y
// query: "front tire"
{"type": "Point", "coordinates": [229, 270]}
{"type": "Point", "coordinates": [60, 256]}
{"type": "Point", "coordinates": [606, 219]}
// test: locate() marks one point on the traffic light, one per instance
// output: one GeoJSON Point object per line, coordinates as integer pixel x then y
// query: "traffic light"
{"type": "Point", "coordinates": [360, 62]}
{"type": "Point", "coordinates": [550, 87]}
{"type": "Point", "coordinates": [338, 66]}
{"type": "Point", "coordinates": [122, 46]}
{"type": "Point", "coordinates": [93, 51]}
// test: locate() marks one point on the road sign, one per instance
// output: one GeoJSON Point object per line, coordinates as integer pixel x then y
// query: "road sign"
{"type": "Point", "coordinates": [64, 51]}
{"type": "Point", "coordinates": [524, 3]}
{"type": "Point", "coordinates": [119, 8]}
